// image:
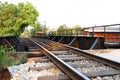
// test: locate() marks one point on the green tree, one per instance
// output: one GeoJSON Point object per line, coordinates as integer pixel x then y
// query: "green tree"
{"type": "Point", "coordinates": [76, 27]}
{"type": "Point", "coordinates": [76, 30]}
{"type": "Point", "coordinates": [5, 59]}
{"type": "Point", "coordinates": [38, 27]}
{"type": "Point", "coordinates": [62, 29]}
{"type": "Point", "coordinates": [14, 18]}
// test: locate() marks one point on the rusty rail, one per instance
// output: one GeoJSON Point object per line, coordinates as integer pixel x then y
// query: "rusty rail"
{"type": "Point", "coordinates": [70, 71]}
{"type": "Point", "coordinates": [97, 58]}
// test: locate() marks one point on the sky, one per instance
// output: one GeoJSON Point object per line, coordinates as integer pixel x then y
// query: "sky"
{"type": "Point", "coordinates": [86, 13]}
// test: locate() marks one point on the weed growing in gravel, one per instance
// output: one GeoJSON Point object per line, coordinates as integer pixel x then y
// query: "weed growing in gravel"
{"type": "Point", "coordinates": [5, 60]}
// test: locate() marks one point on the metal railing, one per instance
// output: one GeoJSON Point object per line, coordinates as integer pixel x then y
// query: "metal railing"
{"type": "Point", "coordinates": [111, 32]}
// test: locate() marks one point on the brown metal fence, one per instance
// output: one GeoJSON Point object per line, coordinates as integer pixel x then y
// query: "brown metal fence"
{"type": "Point", "coordinates": [111, 33]}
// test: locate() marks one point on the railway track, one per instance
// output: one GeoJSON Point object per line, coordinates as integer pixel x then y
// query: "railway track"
{"type": "Point", "coordinates": [38, 66]}
{"type": "Point", "coordinates": [78, 64]}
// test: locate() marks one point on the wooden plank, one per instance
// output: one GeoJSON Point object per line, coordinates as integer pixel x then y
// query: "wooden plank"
{"type": "Point", "coordinates": [32, 47]}
{"type": "Point", "coordinates": [102, 73]}
{"type": "Point", "coordinates": [29, 54]}
{"type": "Point", "coordinates": [55, 77]}
{"type": "Point", "coordinates": [38, 59]}
{"type": "Point", "coordinates": [63, 53]}
{"type": "Point", "coordinates": [31, 50]}
{"type": "Point", "coordinates": [73, 59]}
{"type": "Point", "coordinates": [86, 65]}
{"type": "Point", "coordinates": [35, 52]}
{"type": "Point", "coordinates": [34, 55]}
{"type": "Point", "coordinates": [60, 52]}
{"type": "Point", "coordinates": [42, 68]}
{"type": "Point", "coordinates": [69, 56]}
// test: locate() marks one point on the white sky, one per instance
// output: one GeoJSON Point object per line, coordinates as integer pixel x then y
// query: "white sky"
{"type": "Point", "coordinates": [85, 13]}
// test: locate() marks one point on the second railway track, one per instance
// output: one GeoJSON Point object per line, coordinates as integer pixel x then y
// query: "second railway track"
{"type": "Point", "coordinates": [78, 64]}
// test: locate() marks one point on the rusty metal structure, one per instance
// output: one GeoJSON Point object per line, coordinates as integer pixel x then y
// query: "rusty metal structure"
{"type": "Point", "coordinates": [111, 33]}
{"type": "Point", "coordinates": [80, 42]}
{"type": "Point", "coordinates": [13, 41]}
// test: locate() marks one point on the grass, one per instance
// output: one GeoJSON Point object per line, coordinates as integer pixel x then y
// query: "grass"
{"type": "Point", "coordinates": [7, 59]}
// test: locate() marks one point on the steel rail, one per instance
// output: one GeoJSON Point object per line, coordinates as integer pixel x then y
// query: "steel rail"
{"type": "Point", "coordinates": [106, 61]}
{"type": "Point", "coordinates": [70, 71]}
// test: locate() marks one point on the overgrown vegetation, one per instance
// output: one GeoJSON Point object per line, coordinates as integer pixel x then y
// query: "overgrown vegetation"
{"type": "Point", "coordinates": [9, 60]}
{"type": "Point", "coordinates": [5, 60]}
{"type": "Point", "coordinates": [14, 18]}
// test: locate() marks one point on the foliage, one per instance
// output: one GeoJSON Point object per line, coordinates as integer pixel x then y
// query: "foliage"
{"type": "Point", "coordinates": [5, 60]}
{"type": "Point", "coordinates": [64, 30]}
{"type": "Point", "coordinates": [31, 32]}
{"type": "Point", "coordinates": [38, 27]}
{"type": "Point", "coordinates": [76, 27]}
{"type": "Point", "coordinates": [62, 27]}
{"type": "Point", "coordinates": [14, 18]}
{"type": "Point", "coordinates": [9, 60]}
{"type": "Point", "coordinates": [76, 30]}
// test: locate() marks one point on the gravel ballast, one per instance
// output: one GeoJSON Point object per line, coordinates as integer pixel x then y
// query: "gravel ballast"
{"type": "Point", "coordinates": [23, 72]}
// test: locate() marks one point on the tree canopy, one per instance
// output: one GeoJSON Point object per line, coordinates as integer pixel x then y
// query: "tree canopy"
{"type": "Point", "coordinates": [76, 27]}
{"type": "Point", "coordinates": [14, 18]}
{"type": "Point", "coordinates": [62, 27]}
{"type": "Point", "coordinates": [67, 30]}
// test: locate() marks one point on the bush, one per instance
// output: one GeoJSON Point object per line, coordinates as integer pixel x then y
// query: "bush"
{"type": "Point", "coordinates": [5, 60]}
